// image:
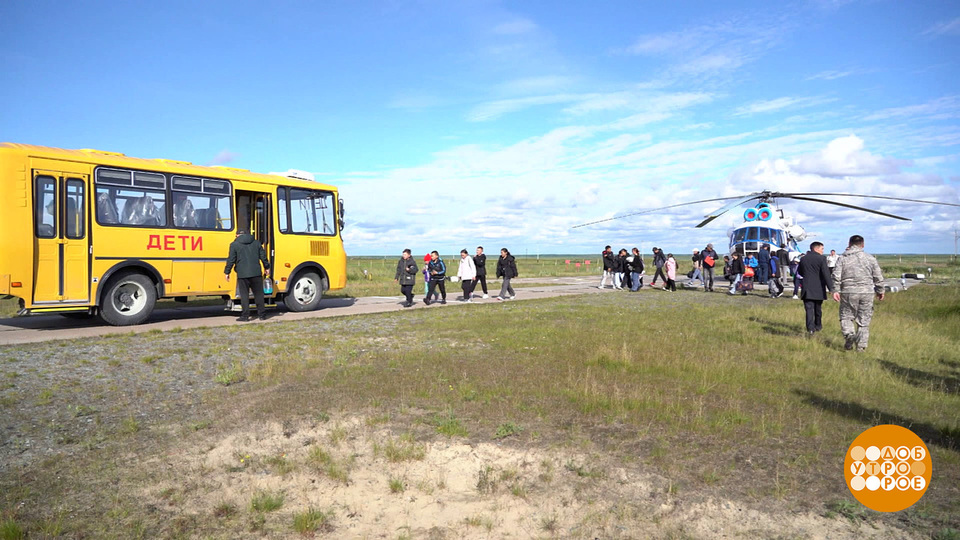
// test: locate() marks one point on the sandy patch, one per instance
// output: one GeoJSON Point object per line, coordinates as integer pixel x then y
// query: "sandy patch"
{"type": "Point", "coordinates": [380, 483]}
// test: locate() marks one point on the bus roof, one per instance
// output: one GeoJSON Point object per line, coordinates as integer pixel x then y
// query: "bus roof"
{"type": "Point", "coordinates": [116, 159]}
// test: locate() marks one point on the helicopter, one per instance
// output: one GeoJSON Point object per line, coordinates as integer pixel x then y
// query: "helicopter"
{"type": "Point", "coordinates": [766, 224]}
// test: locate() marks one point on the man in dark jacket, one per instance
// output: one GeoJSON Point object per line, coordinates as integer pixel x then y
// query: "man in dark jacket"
{"type": "Point", "coordinates": [506, 269]}
{"type": "Point", "coordinates": [659, 259]}
{"type": "Point", "coordinates": [709, 258]}
{"type": "Point", "coordinates": [763, 264]}
{"type": "Point", "coordinates": [816, 280]}
{"type": "Point", "coordinates": [636, 270]}
{"type": "Point", "coordinates": [438, 275]}
{"type": "Point", "coordinates": [608, 260]}
{"type": "Point", "coordinates": [246, 253]}
{"type": "Point", "coordinates": [480, 261]}
{"type": "Point", "coordinates": [620, 277]}
{"type": "Point", "coordinates": [737, 269]}
{"type": "Point", "coordinates": [407, 276]}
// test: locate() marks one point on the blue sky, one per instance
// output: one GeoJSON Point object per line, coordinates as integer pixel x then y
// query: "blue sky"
{"type": "Point", "coordinates": [452, 124]}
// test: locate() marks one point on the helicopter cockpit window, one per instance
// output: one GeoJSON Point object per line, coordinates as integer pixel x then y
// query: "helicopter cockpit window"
{"type": "Point", "coordinates": [752, 233]}
{"type": "Point", "coordinates": [739, 235]}
{"type": "Point", "coordinates": [765, 235]}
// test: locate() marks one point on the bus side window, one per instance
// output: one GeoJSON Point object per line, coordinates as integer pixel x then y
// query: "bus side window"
{"type": "Point", "coordinates": [282, 222]}
{"type": "Point", "coordinates": [76, 215]}
{"type": "Point", "coordinates": [107, 208]}
{"type": "Point", "coordinates": [46, 207]}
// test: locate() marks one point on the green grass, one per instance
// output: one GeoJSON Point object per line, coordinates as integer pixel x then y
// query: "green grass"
{"type": "Point", "coordinates": [721, 396]}
{"type": "Point", "coordinates": [378, 280]}
{"type": "Point", "coordinates": [448, 424]}
{"type": "Point", "coordinates": [230, 373]}
{"type": "Point", "coordinates": [507, 429]}
{"type": "Point", "coordinates": [266, 501]}
{"type": "Point", "coordinates": [325, 462]}
{"type": "Point", "coordinates": [405, 448]}
{"type": "Point", "coordinates": [313, 520]}
{"type": "Point", "coordinates": [10, 530]}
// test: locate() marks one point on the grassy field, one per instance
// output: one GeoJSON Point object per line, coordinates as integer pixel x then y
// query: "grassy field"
{"type": "Point", "coordinates": [720, 396]}
{"type": "Point", "coordinates": [378, 279]}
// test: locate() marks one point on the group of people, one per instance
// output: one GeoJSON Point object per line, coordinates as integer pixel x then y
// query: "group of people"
{"type": "Point", "coordinates": [854, 281]}
{"type": "Point", "coordinates": [472, 270]}
{"type": "Point", "coordinates": [627, 270]}
{"type": "Point", "coordinates": [854, 278]}
{"type": "Point", "coordinates": [766, 267]}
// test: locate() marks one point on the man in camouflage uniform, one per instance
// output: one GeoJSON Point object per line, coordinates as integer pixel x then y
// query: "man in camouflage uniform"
{"type": "Point", "coordinates": [857, 279]}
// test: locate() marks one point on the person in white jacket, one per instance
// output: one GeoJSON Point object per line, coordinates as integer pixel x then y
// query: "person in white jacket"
{"type": "Point", "coordinates": [467, 272]}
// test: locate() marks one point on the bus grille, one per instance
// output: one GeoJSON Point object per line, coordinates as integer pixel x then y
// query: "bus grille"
{"type": "Point", "coordinates": [319, 248]}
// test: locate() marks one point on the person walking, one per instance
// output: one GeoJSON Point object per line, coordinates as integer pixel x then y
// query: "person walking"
{"type": "Point", "coordinates": [697, 267]}
{"type": "Point", "coordinates": [480, 262]}
{"type": "Point", "coordinates": [636, 271]}
{"type": "Point", "coordinates": [247, 254]}
{"type": "Point", "coordinates": [467, 272]}
{"type": "Point", "coordinates": [750, 262]}
{"type": "Point", "coordinates": [709, 259]}
{"type": "Point", "coordinates": [506, 269]}
{"type": "Point", "coordinates": [728, 270]}
{"type": "Point", "coordinates": [659, 259]}
{"type": "Point", "coordinates": [857, 279]}
{"type": "Point", "coordinates": [736, 271]}
{"type": "Point", "coordinates": [607, 259]}
{"type": "Point", "coordinates": [763, 264]}
{"type": "Point", "coordinates": [797, 278]}
{"type": "Point", "coordinates": [406, 276]}
{"type": "Point", "coordinates": [438, 276]}
{"type": "Point", "coordinates": [774, 286]}
{"type": "Point", "coordinates": [426, 278]}
{"type": "Point", "coordinates": [832, 259]}
{"type": "Point", "coordinates": [620, 270]}
{"type": "Point", "coordinates": [671, 269]}
{"type": "Point", "coordinates": [816, 281]}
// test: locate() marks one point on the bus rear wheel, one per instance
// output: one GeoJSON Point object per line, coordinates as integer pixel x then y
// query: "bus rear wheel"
{"type": "Point", "coordinates": [304, 293]}
{"type": "Point", "coordinates": [129, 300]}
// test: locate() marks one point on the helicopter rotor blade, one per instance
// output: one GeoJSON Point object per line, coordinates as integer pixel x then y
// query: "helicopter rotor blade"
{"type": "Point", "coordinates": [868, 197]}
{"type": "Point", "coordinates": [794, 196]}
{"type": "Point", "coordinates": [720, 211]}
{"type": "Point", "coordinates": [651, 211]}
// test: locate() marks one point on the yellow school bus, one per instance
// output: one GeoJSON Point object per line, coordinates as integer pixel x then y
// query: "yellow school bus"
{"type": "Point", "coordinates": [88, 232]}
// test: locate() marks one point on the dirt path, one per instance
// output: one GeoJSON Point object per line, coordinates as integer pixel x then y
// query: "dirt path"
{"type": "Point", "coordinates": [53, 327]}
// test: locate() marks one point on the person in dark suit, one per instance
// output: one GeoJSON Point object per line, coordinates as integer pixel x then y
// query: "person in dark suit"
{"type": "Point", "coordinates": [816, 280]}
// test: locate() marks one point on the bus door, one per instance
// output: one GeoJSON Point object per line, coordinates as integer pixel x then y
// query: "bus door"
{"type": "Point", "coordinates": [61, 237]}
{"type": "Point", "coordinates": [254, 213]}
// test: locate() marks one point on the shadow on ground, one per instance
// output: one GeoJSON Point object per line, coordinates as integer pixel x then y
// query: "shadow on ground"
{"type": "Point", "coordinates": [923, 379]}
{"type": "Point", "coordinates": [943, 437]}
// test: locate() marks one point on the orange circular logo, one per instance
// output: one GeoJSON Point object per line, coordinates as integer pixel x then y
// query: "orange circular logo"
{"type": "Point", "coordinates": [887, 468]}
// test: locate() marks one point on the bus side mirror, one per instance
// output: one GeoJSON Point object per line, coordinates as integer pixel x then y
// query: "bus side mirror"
{"type": "Point", "coordinates": [340, 208]}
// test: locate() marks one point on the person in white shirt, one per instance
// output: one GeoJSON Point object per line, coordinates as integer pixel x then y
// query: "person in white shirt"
{"type": "Point", "coordinates": [832, 260]}
{"type": "Point", "coordinates": [467, 272]}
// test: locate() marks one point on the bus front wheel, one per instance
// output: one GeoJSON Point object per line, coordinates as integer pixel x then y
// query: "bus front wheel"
{"type": "Point", "coordinates": [129, 300]}
{"type": "Point", "coordinates": [304, 293]}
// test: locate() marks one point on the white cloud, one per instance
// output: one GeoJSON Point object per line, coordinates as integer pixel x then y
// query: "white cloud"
{"type": "Point", "coordinates": [495, 109]}
{"type": "Point", "coordinates": [710, 50]}
{"type": "Point", "coordinates": [527, 195]}
{"type": "Point", "coordinates": [223, 157]}
{"type": "Point", "coordinates": [937, 109]}
{"type": "Point", "coordinates": [777, 104]}
{"type": "Point", "coordinates": [944, 28]}
{"type": "Point", "coordinates": [650, 105]}
{"type": "Point", "coordinates": [832, 75]}
{"type": "Point", "coordinates": [515, 26]}
{"type": "Point", "coordinates": [846, 156]}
